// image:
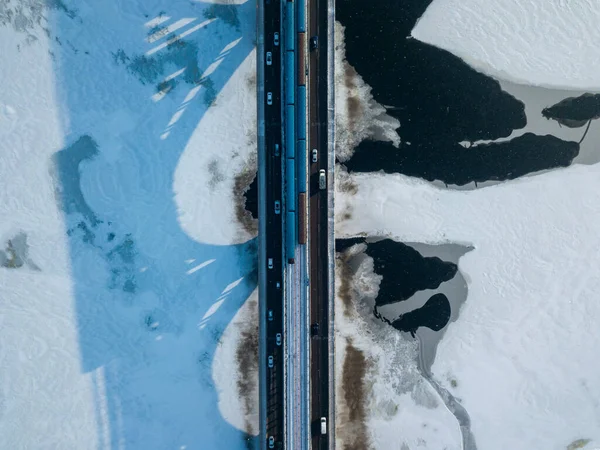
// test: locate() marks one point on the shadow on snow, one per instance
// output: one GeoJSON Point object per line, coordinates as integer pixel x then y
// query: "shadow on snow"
{"type": "Point", "coordinates": [134, 79]}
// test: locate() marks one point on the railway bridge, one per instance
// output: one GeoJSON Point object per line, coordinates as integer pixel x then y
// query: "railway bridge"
{"type": "Point", "coordinates": [296, 251]}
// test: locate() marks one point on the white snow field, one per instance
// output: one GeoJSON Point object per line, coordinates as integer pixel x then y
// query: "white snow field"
{"type": "Point", "coordinates": [549, 43]}
{"type": "Point", "coordinates": [357, 115]}
{"type": "Point", "coordinates": [122, 128]}
{"type": "Point", "coordinates": [521, 358]}
{"type": "Point", "coordinates": [402, 408]}
{"type": "Point", "coordinates": [238, 390]}
{"type": "Point", "coordinates": [523, 350]}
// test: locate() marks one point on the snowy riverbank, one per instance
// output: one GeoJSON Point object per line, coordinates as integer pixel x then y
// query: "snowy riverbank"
{"type": "Point", "coordinates": [520, 355]}
{"type": "Point", "coordinates": [124, 127]}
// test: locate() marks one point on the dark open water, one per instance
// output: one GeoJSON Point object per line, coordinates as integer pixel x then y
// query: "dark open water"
{"type": "Point", "coordinates": [443, 106]}
{"type": "Point", "coordinates": [440, 102]}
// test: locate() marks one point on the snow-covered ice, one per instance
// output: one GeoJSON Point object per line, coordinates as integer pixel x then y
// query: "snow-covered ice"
{"type": "Point", "coordinates": [522, 351]}
{"type": "Point", "coordinates": [537, 42]}
{"type": "Point", "coordinates": [118, 164]}
{"type": "Point", "coordinates": [535, 100]}
{"type": "Point", "coordinates": [357, 115]}
{"type": "Point", "coordinates": [220, 147]}
{"type": "Point", "coordinates": [238, 392]}
{"type": "Point", "coordinates": [520, 357]}
{"type": "Point", "coordinates": [528, 323]}
{"type": "Point", "coordinates": [402, 409]}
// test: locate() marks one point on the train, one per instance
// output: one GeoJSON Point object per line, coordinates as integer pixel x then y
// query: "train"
{"type": "Point", "coordinates": [294, 148]}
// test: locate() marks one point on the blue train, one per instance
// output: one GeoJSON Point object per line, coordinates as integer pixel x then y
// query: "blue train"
{"type": "Point", "coordinates": [296, 162]}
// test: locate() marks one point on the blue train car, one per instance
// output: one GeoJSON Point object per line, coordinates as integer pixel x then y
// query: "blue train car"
{"type": "Point", "coordinates": [289, 24]}
{"type": "Point", "coordinates": [290, 237]}
{"type": "Point", "coordinates": [301, 164]}
{"type": "Point", "coordinates": [301, 113]}
{"type": "Point", "coordinates": [301, 15]}
{"type": "Point", "coordinates": [290, 185]}
{"type": "Point", "coordinates": [291, 125]}
{"type": "Point", "coordinates": [290, 131]}
{"type": "Point", "coordinates": [290, 78]}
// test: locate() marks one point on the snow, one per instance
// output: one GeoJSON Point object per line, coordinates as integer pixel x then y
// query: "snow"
{"type": "Point", "coordinates": [240, 409]}
{"type": "Point", "coordinates": [39, 354]}
{"type": "Point", "coordinates": [537, 42]}
{"type": "Point", "coordinates": [521, 357]}
{"type": "Point", "coordinates": [535, 100]}
{"type": "Point", "coordinates": [404, 411]}
{"type": "Point", "coordinates": [357, 115]}
{"type": "Point", "coordinates": [528, 324]}
{"type": "Point", "coordinates": [123, 189]}
{"type": "Point", "coordinates": [219, 148]}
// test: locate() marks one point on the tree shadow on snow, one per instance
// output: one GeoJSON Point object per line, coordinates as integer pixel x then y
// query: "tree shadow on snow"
{"type": "Point", "coordinates": [133, 80]}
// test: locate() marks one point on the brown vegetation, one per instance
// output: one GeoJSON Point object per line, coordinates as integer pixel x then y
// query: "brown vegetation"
{"type": "Point", "coordinates": [251, 81]}
{"type": "Point", "coordinates": [216, 175]}
{"type": "Point", "coordinates": [345, 276]}
{"type": "Point", "coordinates": [241, 184]}
{"type": "Point", "coordinates": [247, 361]}
{"type": "Point", "coordinates": [354, 106]}
{"type": "Point", "coordinates": [346, 184]}
{"type": "Point", "coordinates": [354, 434]}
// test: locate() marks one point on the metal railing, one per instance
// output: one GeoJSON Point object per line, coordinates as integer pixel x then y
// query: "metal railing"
{"type": "Point", "coordinates": [331, 211]}
{"type": "Point", "coordinates": [262, 224]}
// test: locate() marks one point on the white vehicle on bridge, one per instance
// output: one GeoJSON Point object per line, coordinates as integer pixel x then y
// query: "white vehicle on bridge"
{"type": "Point", "coordinates": [270, 263]}
{"type": "Point", "coordinates": [322, 179]}
{"type": "Point", "coordinates": [277, 207]}
{"type": "Point", "coordinates": [269, 98]}
{"type": "Point", "coordinates": [276, 38]}
{"type": "Point", "coordinates": [271, 442]}
{"type": "Point", "coordinates": [315, 155]}
{"type": "Point", "coordinates": [270, 362]}
{"type": "Point", "coordinates": [323, 425]}
{"type": "Point", "coordinates": [269, 58]}
{"type": "Point", "coordinates": [278, 338]}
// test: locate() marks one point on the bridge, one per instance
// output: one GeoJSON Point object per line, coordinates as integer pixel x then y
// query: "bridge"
{"type": "Point", "coordinates": [296, 243]}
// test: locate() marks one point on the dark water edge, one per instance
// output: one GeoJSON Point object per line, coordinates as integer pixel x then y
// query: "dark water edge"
{"type": "Point", "coordinates": [436, 300]}
{"type": "Point", "coordinates": [575, 112]}
{"type": "Point", "coordinates": [341, 245]}
{"type": "Point", "coordinates": [444, 108]}
{"type": "Point", "coordinates": [453, 163]}
{"type": "Point", "coordinates": [405, 271]}
{"type": "Point", "coordinates": [410, 293]}
{"type": "Point", "coordinates": [251, 196]}
{"type": "Point", "coordinates": [461, 414]}
{"type": "Point", "coordinates": [434, 314]}
{"type": "Point", "coordinates": [441, 103]}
